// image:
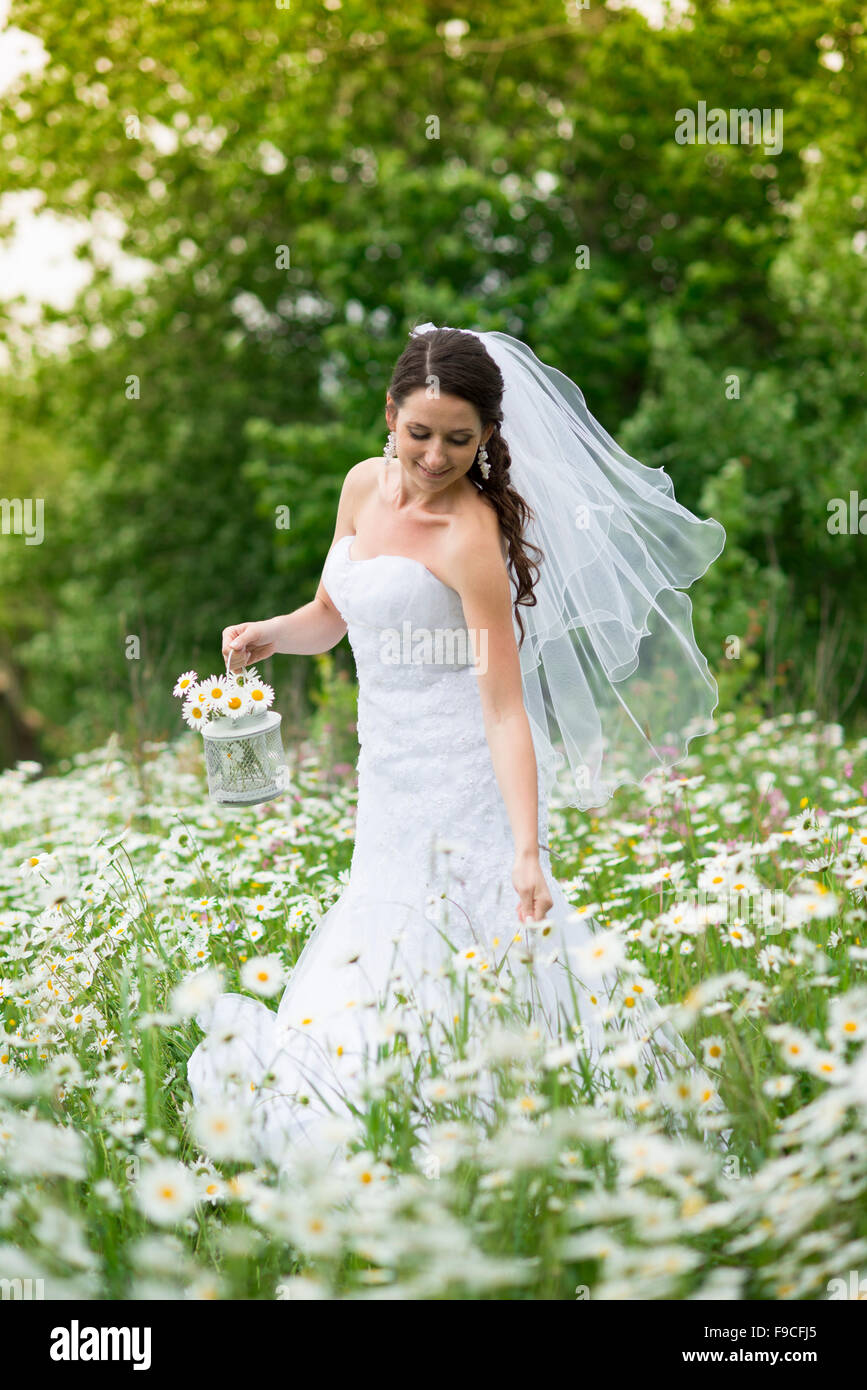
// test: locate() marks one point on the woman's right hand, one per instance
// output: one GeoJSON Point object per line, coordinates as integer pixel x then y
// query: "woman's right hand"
{"type": "Point", "coordinates": [248, 643]}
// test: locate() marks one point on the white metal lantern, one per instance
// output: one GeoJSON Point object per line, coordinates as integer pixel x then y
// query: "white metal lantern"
{"type": "Point", "coordinates": [244, 759]}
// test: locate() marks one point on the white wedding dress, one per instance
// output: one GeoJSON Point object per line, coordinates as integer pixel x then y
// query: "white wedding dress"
{"type": "Point", "coordinates": [433, 849]}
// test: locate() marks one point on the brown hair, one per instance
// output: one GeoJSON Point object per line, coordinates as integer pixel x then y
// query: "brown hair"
{"type": "Point", "coordinates": [462, 367]}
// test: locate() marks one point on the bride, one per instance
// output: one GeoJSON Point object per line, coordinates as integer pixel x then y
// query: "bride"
{"type": "Point", "coordinates": [495, 572]}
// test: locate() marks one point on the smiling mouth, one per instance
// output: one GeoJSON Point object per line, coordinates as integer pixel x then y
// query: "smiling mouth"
{"type": "Point", "coordinates": [428, 472]}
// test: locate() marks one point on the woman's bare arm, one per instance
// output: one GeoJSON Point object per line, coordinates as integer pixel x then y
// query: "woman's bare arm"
{"type": "Point", "coordinates": [478, 572]}
{"type": "Point", "coordinates": [318, 626]}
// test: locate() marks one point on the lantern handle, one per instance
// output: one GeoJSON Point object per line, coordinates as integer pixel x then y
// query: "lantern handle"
{"type": "Point", "coordinates": [228, 660]}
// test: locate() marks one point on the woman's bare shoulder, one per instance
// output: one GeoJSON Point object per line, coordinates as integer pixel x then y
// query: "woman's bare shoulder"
{"type": "Point", "coordinates": [361, 480]}
{"type": "Point", "coordinates": [354, 491]}
{"type": "Point", "coordinates": [477, 529]}
{"type": "Point", "coordinates": [363, 474]}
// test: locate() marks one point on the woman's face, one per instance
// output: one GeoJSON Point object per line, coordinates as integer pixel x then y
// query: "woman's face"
{"type": "Point", "coordinates": [436, 440]}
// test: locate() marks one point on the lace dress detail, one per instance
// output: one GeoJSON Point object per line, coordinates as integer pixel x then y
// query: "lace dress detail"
{"type": "Point", "coordinates": [430, 874]}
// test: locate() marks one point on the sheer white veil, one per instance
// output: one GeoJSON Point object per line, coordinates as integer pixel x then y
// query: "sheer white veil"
{"type": "Point", "coordinates": [614, 683]}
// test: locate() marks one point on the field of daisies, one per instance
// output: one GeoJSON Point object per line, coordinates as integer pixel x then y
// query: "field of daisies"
{"type": "Point", "coordinates": [735, 886]}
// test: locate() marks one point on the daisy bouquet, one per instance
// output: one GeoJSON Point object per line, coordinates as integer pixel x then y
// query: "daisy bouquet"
{"type": "Point", "coordinates": [228, 697]}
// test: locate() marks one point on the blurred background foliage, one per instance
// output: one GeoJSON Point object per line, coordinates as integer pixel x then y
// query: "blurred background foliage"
{"type": "Point", "coordinates": [420, 166]}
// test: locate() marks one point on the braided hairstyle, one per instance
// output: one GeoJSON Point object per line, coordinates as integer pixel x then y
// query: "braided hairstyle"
{"type": "Point", "coordinates": [461, 366]}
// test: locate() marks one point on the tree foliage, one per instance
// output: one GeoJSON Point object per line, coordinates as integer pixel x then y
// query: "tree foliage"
{"type": "Point", "coordinates": [305, 183]}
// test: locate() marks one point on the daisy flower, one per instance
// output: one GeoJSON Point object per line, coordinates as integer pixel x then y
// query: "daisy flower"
{"type": "Point", "coordinates": [82, 1017]}
{"type": "Point", "coordinates": [260, 695]}
{"type": "Point", "coordinates": [542, 925]}
{"type": "Point", "coordinates": [796, 1047]}
{"type": "Point", "coordinates": [778, 1085]}
{"type": "Point", "coordinates": [744, 883]}
{"type": "Point", "coordinates": [212, 1188]}
{"type": "Point", "coordinates": [37, 864]}
{"type": "Point", "coordinates": [739, 935]}
{"type": "Point", "coordinates": [848, 1016]}
{"type": "Point", "coordinates": [263, 906]}
{"type": "Point", "coordinates": [217, 690]}
{"type": "Point", "coordinates": [770, 958]}
{"type": "Point", "coordinates": [470, 958]}
{"type": "Point", "coordinates": [198, 950]}
{"type": "Point", "coordinates": [527, 1104]}
{"type": "Point", "coordinates": [195, 713]}
{"type": "Point", "coordinates": [667, 873]}
{"type": "Point", "coordinates": [263, 974]}
{"type": "Point", "coordinates": [201, 692]}
{"type": "Point", "coordinates": [602, 953]}
{"type": "Point", "coordinates": [586, 910]}
{"type": "Point", "coordinates": [713, 1048]}
{"type": "Point", "coordinates": [826, 1065]}
{"type": "Point", "coordinates": [811, 902]}
{"type": "Point", "coordinates": [223, 1131]}
{"type": "Point", "coordinates": [167, 1192]}
{"type": "Point", "coordinates": [185, 683]}
{"type": "Point", "coordinates": [238, 702]}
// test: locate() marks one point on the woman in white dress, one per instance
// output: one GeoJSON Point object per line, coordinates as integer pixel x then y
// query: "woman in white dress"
{"type": "Point", "coordinates": [455, 712]}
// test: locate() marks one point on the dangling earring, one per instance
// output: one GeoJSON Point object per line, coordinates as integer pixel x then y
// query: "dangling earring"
{"type": "Point", "coordinates": [390, 450]}
{"type": "Point", "coordinates": [482, 460]}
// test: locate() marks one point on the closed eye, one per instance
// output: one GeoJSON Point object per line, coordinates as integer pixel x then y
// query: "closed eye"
{"type": "Point", "coordinates": [454, 441]}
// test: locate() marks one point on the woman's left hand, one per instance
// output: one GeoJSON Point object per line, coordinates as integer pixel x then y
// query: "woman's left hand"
{"type": "Point", "coordinates": [529, 883]}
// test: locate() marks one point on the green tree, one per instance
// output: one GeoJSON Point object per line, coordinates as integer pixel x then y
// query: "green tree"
{"type": "Point", "coordinates": [305, 184]}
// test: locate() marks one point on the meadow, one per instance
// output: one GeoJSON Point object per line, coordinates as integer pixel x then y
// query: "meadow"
{"type": "Point", "coordinates": [736, 886]}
